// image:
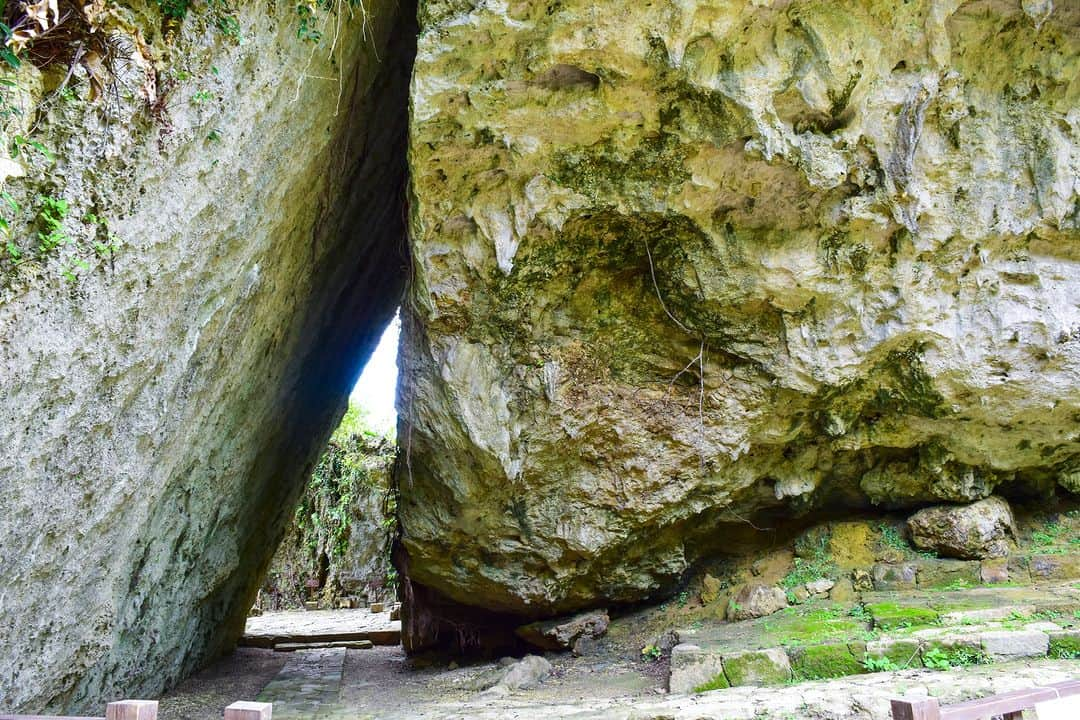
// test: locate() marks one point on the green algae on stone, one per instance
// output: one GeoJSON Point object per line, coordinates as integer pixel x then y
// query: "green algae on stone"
{"type": "Point", "coordinates": [820, 662]}
{"type": "Point", "coordinates": [720, 682]}
{"type": "Point", "coordinates": [900, 652]}
{"type": "Point", "coordinates": [758, 667]}
{"type": "Point", "coordinates": [806, 625]}
{"type": "Point", "coordinates": [890, 616]}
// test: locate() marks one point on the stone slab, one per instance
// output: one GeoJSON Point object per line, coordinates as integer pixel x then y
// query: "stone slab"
{"type": "Point", "coordinates": [1013, 644]}
{"type": "Point", "coordinates": [321, 626]}
{"type": "Point", "coordinates": [693, 667]}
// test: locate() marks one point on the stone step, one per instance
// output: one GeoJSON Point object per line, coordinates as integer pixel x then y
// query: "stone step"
{"type": "Point", "coordinates": [697, 668]}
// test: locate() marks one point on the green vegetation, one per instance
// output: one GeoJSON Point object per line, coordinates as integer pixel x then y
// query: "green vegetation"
{"type": "Point", "coordinates": [879, 664]}
{"type": "Point", "coordinates": [804, 625]}
{"type": "Point", "coordinates": [719, 682]}
{"type": "Point", "coordinates": [353, 468]}
{"type": "Point", "coordinates": [815, 562]}
{"type": "Point", "coordinates": [820, 662]}
{"type": "Point", "coordinates": [891, 616]}
{"type": "Point", "coordinates": [938, 658]}
{"type": "Point", "coordinates": [651, 653]}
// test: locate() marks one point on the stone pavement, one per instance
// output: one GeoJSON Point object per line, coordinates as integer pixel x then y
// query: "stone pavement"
{"type": "Point", "coordinates": [302, 626]}
{"type": "Point", "coordinates": [309, 686]}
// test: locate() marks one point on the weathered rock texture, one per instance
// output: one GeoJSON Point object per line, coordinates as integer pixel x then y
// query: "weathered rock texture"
{"type": "Point", "coordinates": [971, 532]}
{"type": "Point", "coordinates": [158, 416]}
{"type": "Point", "coordinates": [677, 263]}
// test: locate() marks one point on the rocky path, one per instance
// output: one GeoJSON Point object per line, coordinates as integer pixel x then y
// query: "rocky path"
{"type": "Point", "coordinates": [379, 684]}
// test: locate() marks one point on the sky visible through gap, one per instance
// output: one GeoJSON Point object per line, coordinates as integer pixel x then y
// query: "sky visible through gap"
{"type": "Point", "coordinates": [374, 391]}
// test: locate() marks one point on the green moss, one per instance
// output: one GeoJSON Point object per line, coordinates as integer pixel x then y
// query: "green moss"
{"type": "Point", "coordinates": [898, 385]}
{"type": "Point", "coordinates": [802, 626]}
{"type": "Point", "coordinates": [1065, 647]}
{"type": "Point", "coordinates": [604, 170]}
{"type": "Point", "coordinates": [820, 662]}
{"type": "Point", "coordinates": [755, 668]}
{"type": "Point", "coordinates": [889, 616]}
{"type": "Point", "coordinates": [717, 683]}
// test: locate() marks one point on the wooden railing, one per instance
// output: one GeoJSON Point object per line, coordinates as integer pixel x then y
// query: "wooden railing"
{"type": "Point", "coordinates": [147, 710]}
{"type": "Point", "coordinates": [1009, 706]}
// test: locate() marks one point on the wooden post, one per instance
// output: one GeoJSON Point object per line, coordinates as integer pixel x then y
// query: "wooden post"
{"type": "Point", "coordinates": [921, 709]}
{"type": "Point", "coordinates": [131, 710]}
{"type": "Point", "coordinates": [244, 710]}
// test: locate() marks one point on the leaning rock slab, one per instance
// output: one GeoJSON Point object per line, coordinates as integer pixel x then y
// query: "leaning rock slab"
{"type": "Point", "coordinates": [970, 532]}
{"type": "Point", "coordinates": [565, 633]}
{"type": "Point", "coordinates": [158, 415]}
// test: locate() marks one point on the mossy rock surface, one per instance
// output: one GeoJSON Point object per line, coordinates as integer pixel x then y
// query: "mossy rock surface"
{"type": "Point", "coordinates": [902, 653]}
{"type": "Point", "coordinates": [807, 625]}
{"type": "Point", "coordinates": [759, 667]}
{"type": "Point", "coordinates": [820, 662]}
{"type": "Point", "coordinates": [719, 682]}
{"type": "Point", "coordinates": [891, 616]}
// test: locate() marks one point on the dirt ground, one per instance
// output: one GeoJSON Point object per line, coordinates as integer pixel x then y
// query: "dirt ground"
{"type": "Point", "coordinates": [239, 676]}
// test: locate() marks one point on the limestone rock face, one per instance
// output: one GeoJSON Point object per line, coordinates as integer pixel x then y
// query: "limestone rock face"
{"type": "Point", "coordinates": [678, 263]}
{"type": "Point", "coordinates": [159, 411]}
{"type": "Point", "coordinates": [970, 532]}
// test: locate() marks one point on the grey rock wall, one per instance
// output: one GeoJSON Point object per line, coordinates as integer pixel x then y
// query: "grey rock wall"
{"type": "Point", "coordinates": [159, 415]}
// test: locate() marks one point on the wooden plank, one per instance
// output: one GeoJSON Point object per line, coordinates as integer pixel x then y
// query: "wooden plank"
{"type": "Point", "coordinates": [132, 710]}
{"type": "Point", "coordinates": [244, 710]}
{"type": "Point", "coordinates": [1009, 702]}
{"type": "Point", "coordinates": [919, 709]}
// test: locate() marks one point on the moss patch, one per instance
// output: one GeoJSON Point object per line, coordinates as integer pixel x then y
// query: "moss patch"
{"type": "Point", "coordinates": [805, 626]}
{"type": "Point", "coordinates": [717, 683]}
{"type": "Point", "coordinates": [890, 616]}
{"type": "Point", "coordinates": [820, 662]}
{"type": "Point", "coordinates": [902, 653]}
{"type": "Point", "coordinates": [757, 668]}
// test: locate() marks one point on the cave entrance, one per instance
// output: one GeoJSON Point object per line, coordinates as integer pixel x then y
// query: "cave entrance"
{"type": "Point", "coordinates": [336, 549]}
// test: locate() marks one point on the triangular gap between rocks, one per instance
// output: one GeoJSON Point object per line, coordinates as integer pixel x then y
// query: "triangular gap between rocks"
{"type": "Point", "coordinates": [336, 549]}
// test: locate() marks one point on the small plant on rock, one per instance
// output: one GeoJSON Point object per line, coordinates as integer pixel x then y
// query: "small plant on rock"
{"type": "Point", "coordinates": [651, 653]}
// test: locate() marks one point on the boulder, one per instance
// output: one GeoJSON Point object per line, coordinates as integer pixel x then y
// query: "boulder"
{"type": "Point", "coordinates": [524, 674]}
{"type": "Point", "coordinates": [970, 532]}
{"type": "Point", "coordinates": [710, 589]}
{"type": "Point", "coordinates": [565, 633]}
{"type": "Point", "coordinates": [756, 600]}
{"type": "Point", "coordinates": [686, 267]}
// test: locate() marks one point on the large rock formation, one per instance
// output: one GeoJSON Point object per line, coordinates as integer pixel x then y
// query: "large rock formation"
{"type": "Point", "coordinates": [161, 404]}
{"type": "Point", "coordinates": [680, 263]}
